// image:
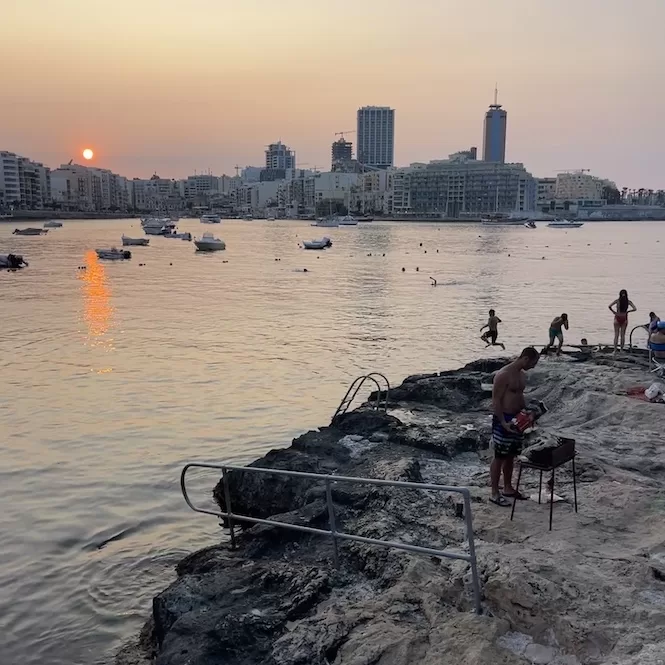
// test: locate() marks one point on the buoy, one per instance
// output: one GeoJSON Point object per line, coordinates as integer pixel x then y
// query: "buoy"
{"type": "Point", "coordinates": [304, 269]}
{"type": "Point", "coordinates": [417, 269]}
{"type": "Point", "coordinates": [170, 264]}
{"type": "Point", "coordinates": [421, 244]}
{"type": "Point", "coordinates": [508, 254]}
{"type": "Point", "coordinates": [403, 269]}
{"type": "Point", "coordinates": [383, 254]}
{"type": "Point", "coordinates": [425, 251]}
{"type": "Point", "coordinates": [543, 258]}
{"type": "Point", "coordinates": [437, 251]}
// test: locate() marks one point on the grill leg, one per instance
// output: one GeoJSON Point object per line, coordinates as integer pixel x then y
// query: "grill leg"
{"type": "Point", "coordinates": [551, 499]}
{"type": "Point", "coordinates": [540, 486]}
{"type": "Point", "coordinates": [574, 485]}
{"type": "Point", "coordinates": [517, 491]}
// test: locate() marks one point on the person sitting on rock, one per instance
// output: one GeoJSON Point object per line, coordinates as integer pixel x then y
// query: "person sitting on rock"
{"type": "Point", "coordinates": [507, 440]}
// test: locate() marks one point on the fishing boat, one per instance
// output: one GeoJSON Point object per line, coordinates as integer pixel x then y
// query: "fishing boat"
{"type": "Point", "coordinates": [52, 224]}
{"type": "Point", "coordinates": [30, 232]}
{"type": "Point", "coordinates": [208, 243]}
{"type": "Point", "coordinates": [210, 218]}
{"type": "Point", "coordinates": [141, 242]}
{"type": "Point", "coordinates": [179, 236]}
{"type": "Point", "coordinates": [327, 222]}
{"type": "Point", "coordinates": [324, 243]}
{"type": "Point", "coordinates": [157, 226]}
{"type": "Point", "coordinates": [114, 254]}
{"type": "Point", "coordinates": [12, 261]}
{"type": "Point", "coordinates": [348, 220]}
{"type": "Point", "coordinates": [565, 224]}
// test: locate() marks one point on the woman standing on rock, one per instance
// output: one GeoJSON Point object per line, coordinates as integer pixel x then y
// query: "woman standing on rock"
{"type": "Point", "coordinates": [621, 307]}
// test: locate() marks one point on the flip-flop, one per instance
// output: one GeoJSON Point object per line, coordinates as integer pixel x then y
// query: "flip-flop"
{"type": "Point", "coordinates": [516, 495]}
{"type": "Point", "coordinates": [500, 501]}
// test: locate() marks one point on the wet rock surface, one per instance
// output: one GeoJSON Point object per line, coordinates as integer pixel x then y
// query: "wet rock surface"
{"type": "Point", "coordinates": [590, 592]}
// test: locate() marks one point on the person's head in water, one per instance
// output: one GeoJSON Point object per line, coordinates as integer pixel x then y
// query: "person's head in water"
{"type": "Point", "coordinates": [529, 358]}
{"type": "Point", "coordinates": [623, 300]}
{"type": "Point", "coordinates": [492, 312]}
{"type": "Point", "coordinates": [584, 341]}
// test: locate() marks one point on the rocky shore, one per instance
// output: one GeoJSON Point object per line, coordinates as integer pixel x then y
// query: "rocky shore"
{"type": "Point", "coordinates": [590, 592]}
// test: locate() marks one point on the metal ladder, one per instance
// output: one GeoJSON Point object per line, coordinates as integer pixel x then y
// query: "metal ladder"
{"type": "Point", "coordinates": [356, 385]}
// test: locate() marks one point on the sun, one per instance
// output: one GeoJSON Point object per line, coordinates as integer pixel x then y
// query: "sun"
{"type": "Point", "coordinates": [88, 154]}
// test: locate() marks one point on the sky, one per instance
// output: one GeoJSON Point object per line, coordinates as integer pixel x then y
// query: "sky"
{"type": "Point", "coordinates": [175, 87]}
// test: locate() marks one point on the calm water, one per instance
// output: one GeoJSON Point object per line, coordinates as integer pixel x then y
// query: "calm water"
{"type": "Point", "coordinates": [114, 377]}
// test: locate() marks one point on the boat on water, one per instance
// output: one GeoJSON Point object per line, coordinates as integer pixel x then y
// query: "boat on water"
{"type": "Point", "coordinates": [141, 242]}
{"type": "Point", "coordinates": [270, 217]}
{"type": "Point", "coordinates": [249, 217]}
{"type": "Point", "coordinates": [179, 236]}
{"type": "Point", "coordinates": [565, 224]}
{"type": "Point", "coordinates": [348, 220]}
{"type": "Point", "coordinates": [157, 226]}
{"type": "Point", "coordinates": [30, 231]}
{"type": "Point", "coordinates": [324, 243]}
{"type": "Point", "coordinates": [365, 219]}
{"type": "Point", "coordinates": [327, 222]}
{"type": "Point", "coordinates": [114, 254]}
{"type": "Point", "coordinates": [210, 218]}
{"type": "Point", "coordinates": [52, 224]}
{"type": "Point", "coordinates": [12, 261]}
{"type": "Point", "coordinates": [500, 220]}
{"type": "Point", "coordinates": [208, 243]}
{"type": "Point", "coordinates": [530, 224]}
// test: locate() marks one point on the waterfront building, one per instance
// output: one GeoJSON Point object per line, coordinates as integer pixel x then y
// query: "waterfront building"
{"type": "Point", "coordinates": [23, 182]}
{"type": "Point", "coordinates": [280, 156]}
{"type": "Point", "coordinates": [456, 188]}
{"type": "Point", "coordinates": [342, 156]}
{"type": "Point", "coordinates": [494, 134]}
{"type": "Point", "coordinates": [200, 185]}
{"type": "Point", "coordinates": [376, 136]}
{"type": "Point", "coordinates": [156, 195]}
{"type": "Point", "coordinates": [251, 174]}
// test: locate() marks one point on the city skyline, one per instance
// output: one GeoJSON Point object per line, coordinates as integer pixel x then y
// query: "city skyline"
{"type": "Point", "coordinates": [161, 91]}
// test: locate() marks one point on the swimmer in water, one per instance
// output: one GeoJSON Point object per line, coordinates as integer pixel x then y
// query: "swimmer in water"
{"type": "Point", "coordinates": [492, 330]}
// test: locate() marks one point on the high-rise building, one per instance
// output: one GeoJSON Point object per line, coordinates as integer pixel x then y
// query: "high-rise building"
{"type": "Point", "coordinates": [376, 136]}
{"type": "Point", "coordinates": [24, 182]}
{"type": "Point", "coordinates": [494, 135]}
{"type": "Point", "coordinates": [280, 156]}
{"type": "Point", "coordinates": [342, 151]}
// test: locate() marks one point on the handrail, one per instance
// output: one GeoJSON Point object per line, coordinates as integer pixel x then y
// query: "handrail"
{"type": "Point", "coordinates": [630, 337]}
{"type": "Point", "coordinates": [355, 386]}
{"type": "Point", "coordinates": [333, 532]}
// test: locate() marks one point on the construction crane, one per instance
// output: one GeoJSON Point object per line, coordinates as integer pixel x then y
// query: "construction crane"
{"type": "Point", "coordinates": [350, 131]}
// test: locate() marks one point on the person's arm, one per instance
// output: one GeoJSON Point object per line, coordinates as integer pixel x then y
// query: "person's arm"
{"type": "Point", "coordinates": [565, 323]}
{"type": "Point", "coordinates": [487, 325]}
{"type": "Point", "coordinates": [614, 302]}
{"type": "Point", "coordinates": [499, 388]}
{"type": "Point", "coordinates": [630, 304]}
{"type": "Point", "coordinates": [498, 320]}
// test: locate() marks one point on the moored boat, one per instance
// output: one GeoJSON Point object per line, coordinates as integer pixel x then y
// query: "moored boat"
{"type": "Point", "coordinates": [210, 218]}
{"type": "Point", "coordinates": [114, 254]}
{"type": "Point", "coordinates": [179, 236]}
{"type": "Point", "coordinates": [30, 231]}
{"type": "Point", "coordinates": [347, 220]}
{"type": "Point", "coordinates": [141, 242]}
{"type": "Point", "coordinates": [565, 224]}
{"type": "Point", "coordinates": [12, 261]}
{"type": "Point", "coordinates": [327, 222]}
{"type": "Point", "coordinates": [324, 243]}
{"type": "Point", "coordinates": [208, 243]}
{"type": "Point", "coordinates": [52, 224]}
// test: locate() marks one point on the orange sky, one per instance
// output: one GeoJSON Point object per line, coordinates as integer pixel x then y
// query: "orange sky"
{"type": "Point", "coordinates": [173, 87]}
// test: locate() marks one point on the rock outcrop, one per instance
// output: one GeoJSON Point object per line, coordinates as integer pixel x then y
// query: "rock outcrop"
{"type": "Point", "coordinates": [590, 592]}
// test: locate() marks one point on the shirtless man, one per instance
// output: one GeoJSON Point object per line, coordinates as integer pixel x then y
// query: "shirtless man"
{"type": "Point", "coordinates": [492, 333]}
{"type": "Point", "coordinates": [556, 332]}
{"type": "Point", "coordinates": [507, 402]}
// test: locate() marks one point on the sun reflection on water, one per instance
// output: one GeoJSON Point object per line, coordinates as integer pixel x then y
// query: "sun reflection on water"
{"type": "Point", "coordinates": [97, 308]}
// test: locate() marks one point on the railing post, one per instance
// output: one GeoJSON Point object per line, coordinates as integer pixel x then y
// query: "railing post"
{"type": "Point", "coordinates": [472, 552]}
{"type": "Point", "coordinates": [227, 498]}
{"type": "Point", "coordinates": [333, 525]}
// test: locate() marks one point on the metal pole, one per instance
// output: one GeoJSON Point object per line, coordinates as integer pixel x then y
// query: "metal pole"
{"type": "Point", "coordinates": [472, 552]}
{"type": "Point", "coordinates": [227, 498]}
{"type": "Point", "coordinates": [333, 525]}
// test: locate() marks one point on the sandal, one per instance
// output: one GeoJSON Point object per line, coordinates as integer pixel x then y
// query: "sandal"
{"type": "Point", "coordinates": [500, 501]}
{"type": "Point", "coordinates": [516, 495]}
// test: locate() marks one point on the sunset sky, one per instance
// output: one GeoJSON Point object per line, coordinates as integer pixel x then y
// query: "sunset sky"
{"type": "Point", "coordinates": [173, 86]}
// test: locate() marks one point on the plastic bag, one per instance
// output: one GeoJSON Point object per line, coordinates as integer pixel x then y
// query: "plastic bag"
{"type": "Point", "coordinates": [654, 390]}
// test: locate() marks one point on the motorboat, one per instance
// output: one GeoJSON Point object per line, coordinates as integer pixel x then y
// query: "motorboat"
{"type": "Point", "coordinates": [270, 217]}
{"type": "Point", "coordinates": [347, 220]}
{"type": "Point", "coordinates": [565, 224]}
{"type": "Point", "coordinates": [179, 236]}
{"type": "Point", "coordinates": [324, 243]}
{"type": "Point", "coordinates": [499, 220]}
{"type": "Point", "coordinates": [52, 224]}
{"type": "Point", "coordinates": [327, 222]}
{"type": "Point", "coordinates": [249, 217]}
{"type": "Point", "coordinates": [12, 261]}
{"type": "Point", "coordinates": [157, 226]}
{"type": "Point", "coordinates": [530, 224]}
{"type": "Point", "coordinates": [210, 218]}
{"type": "Point", "coordinates": [208, 243]}
{"type": "Point", "coordinates": [141, 242]}
{"type": "Point", "coordinates": [114, 254]}
{"type": "Point", "coordinates": [30, 232]}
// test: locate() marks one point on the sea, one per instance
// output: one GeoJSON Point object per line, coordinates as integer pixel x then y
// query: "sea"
{"type": "Point", "coordinates": [113, 375]}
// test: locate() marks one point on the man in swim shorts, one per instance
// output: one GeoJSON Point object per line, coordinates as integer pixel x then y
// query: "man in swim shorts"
{"type": "Point", "coordinates": [507, 402]}
{"type": "Point", "coordinates": [492, 333]}
{"type": "Point", "coordinates": [556, 332]}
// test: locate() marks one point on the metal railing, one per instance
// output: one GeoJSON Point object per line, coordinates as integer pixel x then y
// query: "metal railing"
{"type": "Point", "coordinates": [332, 532]}
{"type": "Point", "coordinates": [630, 337]}
{"type": "Point", "coordinates": [356, 385]}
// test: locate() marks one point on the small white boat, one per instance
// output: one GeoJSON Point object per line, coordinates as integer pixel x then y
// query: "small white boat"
{"type": "Point", "coordinates": [249, 217]}
{"type": "Point", "coordinates": [327, 222]}
{"type": "Point", "coordinates": [208, 243]}
{"type": "Point", "coordinates": [114, 254]}
{"type": "Point", "coordinates": [179, 236]}
{"type": "Point", "coordinates": [270, 217]}
{"type": "Point", "coordinates": [209, 218]}
{"type": "Point", "coordinates": [530, 224]}
{"type": "Point", "coordinates": [347, 220]}
{"type": "Point", "coordinates": [30, 232]}
{"type": "Point", "coordinates": [12, 261]}
{"type": "Point", "coordinates": [52, 224]}
{"type": "Point", "coordinates": [565, 224]}
{"type": "Point", "coordinates": [157, 226]}
{"type": "Point", "coordinates": [317, 244]}
{"type": "Point", "coordinates": [141, 242]}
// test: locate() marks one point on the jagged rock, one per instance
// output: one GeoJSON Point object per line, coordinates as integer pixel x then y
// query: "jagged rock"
{"type": "Point", "coordinates": [365, 422]}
